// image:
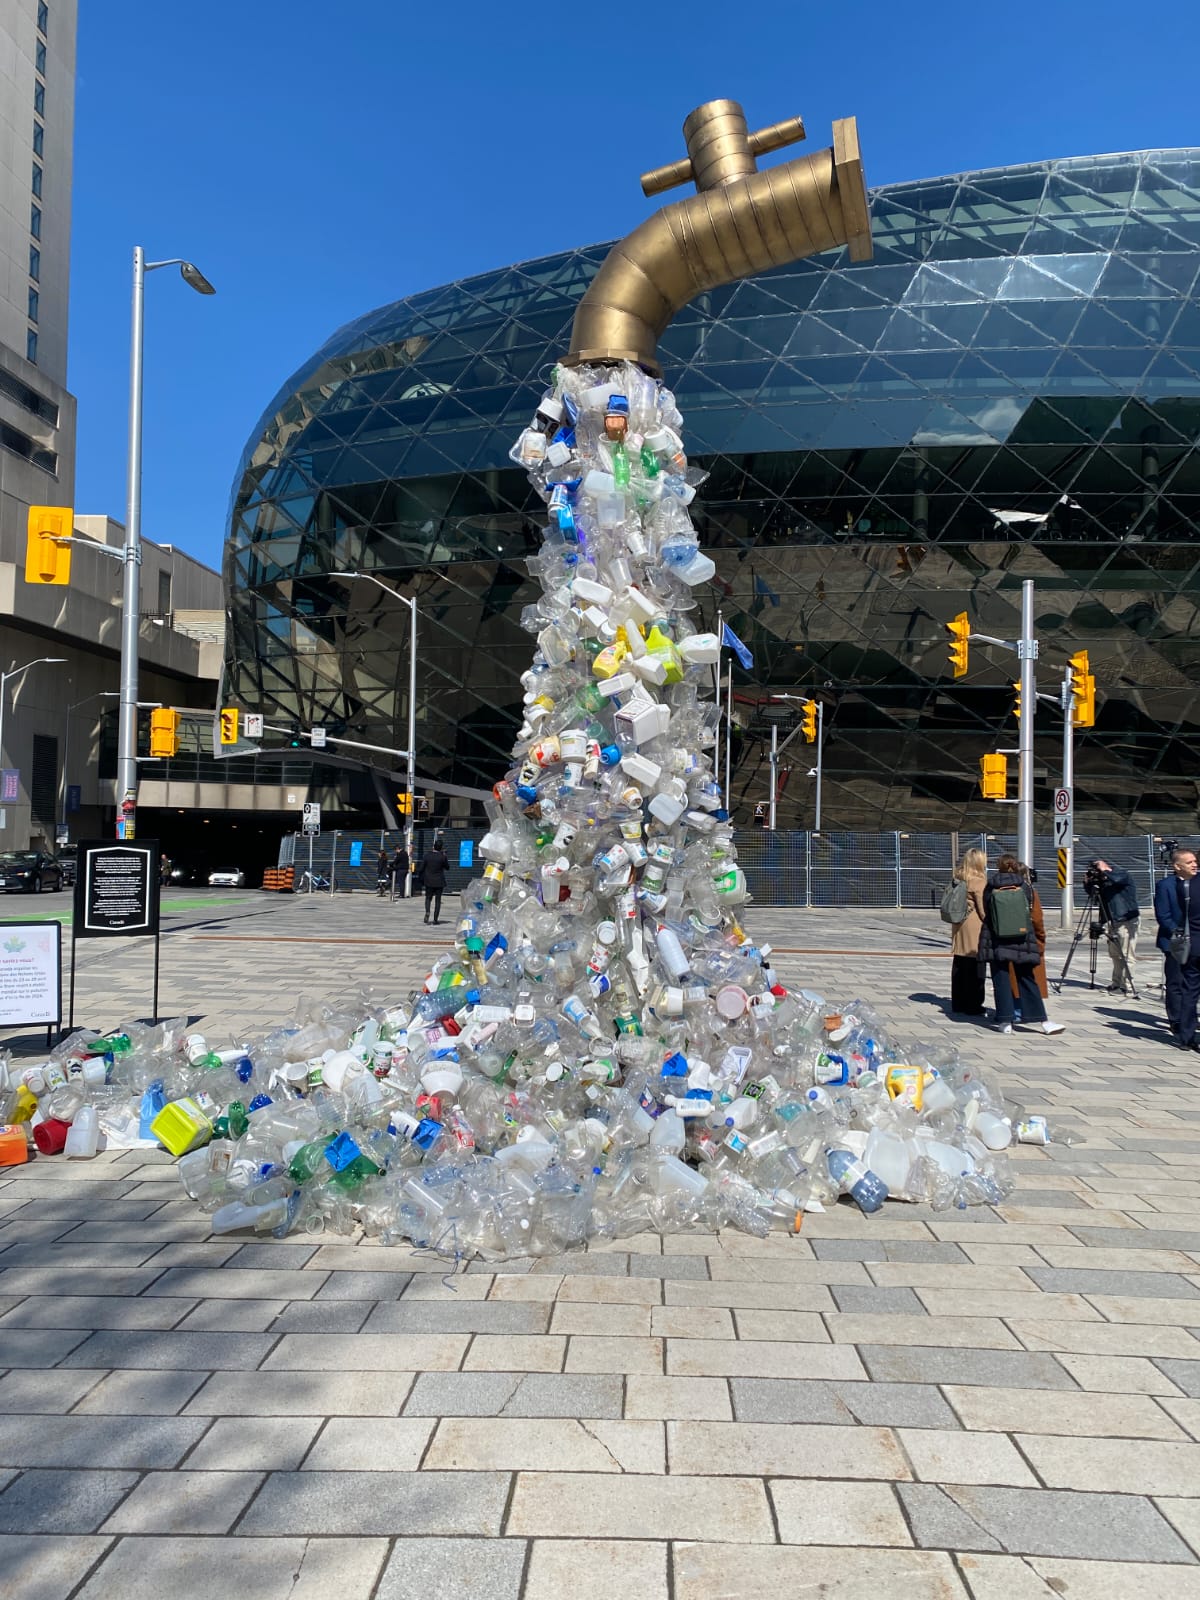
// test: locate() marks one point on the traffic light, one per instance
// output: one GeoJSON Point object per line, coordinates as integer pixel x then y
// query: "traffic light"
{"type": "Point", "coordinates": [1083, 688]}
{"type": "Point", "coordinates": [403, 803]}
{"type": "Point", "coordinates": [229, 725]}
{"type": "Point", "coordinates": [960, 633]}
{"type": "Point", "coordinates": [1016, 688]}
{"type": "Point", "coordinates": [296, 742]}
{"type": "Point", "coordinates": [808, 721]}
{"type": "Point", "coordinates": [46, 560]}
{"type": "Point", "coordinates": [164, 732]}
{"type": "Point", "coordinates": [993, 777]}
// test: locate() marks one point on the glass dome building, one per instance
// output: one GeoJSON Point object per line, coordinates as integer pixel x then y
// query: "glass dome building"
{"type": "Point", "coordinates": [1010, 389]}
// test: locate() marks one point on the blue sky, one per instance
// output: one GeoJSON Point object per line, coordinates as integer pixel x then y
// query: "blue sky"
{"type": "Point", "coordinates": [317, 160]}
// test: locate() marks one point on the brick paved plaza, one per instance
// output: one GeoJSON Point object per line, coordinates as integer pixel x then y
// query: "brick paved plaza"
{"type": "Point", "coordinates": [998, 1404]}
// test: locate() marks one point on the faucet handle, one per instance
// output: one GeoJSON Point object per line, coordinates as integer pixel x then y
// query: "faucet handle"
{"type": "Point", "coordinates": [720, 148]}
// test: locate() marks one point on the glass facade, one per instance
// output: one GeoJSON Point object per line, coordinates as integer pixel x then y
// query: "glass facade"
{"type": "Point", "coordinates": [1010, 389]}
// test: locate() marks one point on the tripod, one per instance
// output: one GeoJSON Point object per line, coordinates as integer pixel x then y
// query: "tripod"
{"type": "Point", "coordinates": [1095, 931]}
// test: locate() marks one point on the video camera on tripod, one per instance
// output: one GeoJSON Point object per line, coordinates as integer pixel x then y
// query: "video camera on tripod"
{"type": "Point", "coordinates": [1092, 918]}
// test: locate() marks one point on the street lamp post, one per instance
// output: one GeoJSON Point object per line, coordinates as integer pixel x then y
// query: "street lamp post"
{"type": "Point", "coordinates": [411, 602]}
{"type": "Point", "coordinates": [15, 672]}
{"type": "Point", "coordinates": [127, 779]}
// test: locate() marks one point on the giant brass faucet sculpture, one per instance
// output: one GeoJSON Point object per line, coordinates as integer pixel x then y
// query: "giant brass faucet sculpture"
{"type": "Point", "coordinates": [740, 221]}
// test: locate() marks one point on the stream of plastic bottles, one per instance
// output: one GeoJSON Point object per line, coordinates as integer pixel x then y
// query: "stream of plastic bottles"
{"type": "Point", "coordinates": [604, 1049]}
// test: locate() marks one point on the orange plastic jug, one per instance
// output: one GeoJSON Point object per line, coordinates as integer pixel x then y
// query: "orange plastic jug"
{"type": "Point", "coordinates": [14, 1146]}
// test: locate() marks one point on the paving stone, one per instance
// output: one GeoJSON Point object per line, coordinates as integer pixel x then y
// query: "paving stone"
{"type": "Point", "coordinates": [1132, 1239]}
{"type": "Point", "coordinates": [147, 1568]}
{"type": "Point", "coordinates": [933, 1251]}
{"type": "Point", "coordinates": [275, 1255]}
{"type": "Point", "coordinates": [364, 1286]}
{"type": "Point", "coordinates": [76, 1441]}
{"type": "Point", "coordinates": [810, 1511]}
{"type": "Point", "coordinates": [60, 1502]}
{"type": "Point", "coordinates": [454, 1569]}
{"type": "Point", "coordinates": [1140, 1466]}
{"type": "Point", "coordinates": [581, 1264]}
{"type": "Point", "coordinates": [233, 1316]}
{"type": "Point", "coordinates": [617, 1321]}
{"type": "Point", "coordinates": [1117, 1374]}
{"type": "Point", "coordinates": [606, 1290]}
{"type": "Point", "coordinates": [515, 1352]}
{"type": "Point", "coordinates": [782, 1399]}
{"type": "Point", "coordinates": [465, 1503]}
{"type": "Point", "coordinates": [515, 1394]}
{"type": "Point", "coordinates": [1168, 1285]}
{"type": "Point", "coordinates": [387, 1444]}
{"type": "Point", "coordinates": [84, 1280]}
{"type": "Point", "coordinates": [737, 1358]}
{"type": "Point", "coordinates": [29, 1390]}
{"type": "Point", "coordinates": [549, 1505]}
{"type": "Point", "coordinates": [463, 1394]}
{"type": "Point", "coordinates": [290, 1394]}
{"type": "Point", "coordinates": [595, 1353]}
{"type": "Point", "coordinates": [263, 1284]}
{"type": "Point", "coordinates": [47, 1567]}
{"type": "Point", "coordinates": [258, 1444]}
{"type": "Point", "coordinates": [667, 1398]}
{"type": "Point", "coordinates": [187, 1352]}
{"type": "Point", "coordinates": [94, 1311]}
{"type": "Point", "coordinates": [795, 1450]}
{"type": "Point", "coordinates": [783, 1326]}
{"type": "Point", "coordinates": [994, 1577]}
{"type": "Point", "coordinates": [938, 1522]}
{"type": "Point", "coordinates": [185, 1502]}
{"type": "Point", "coordinates": [323, 1316]}
{"type": "Point", "coordinates": [678, 1268]}
{"type": "Point", "coordinates": [1105, 1338]}
{"type": "Point", "coordinates": [766, 1296]}
{"type": "Point", "coordinates": [856, 1297]}
{"type": "Point", "coordinates": [518, 1444]}
{"type": "Point", "coordinates": [951, 1332]}
{"type": "Point", "coordinates": [1110, 1527]}
{"type": "Point", "coordinates": [941, 1456]}
{"type": "Point", "coordinates": [1019, 1369]}
{"type": "Point", "coordinates": [131, 1394]}
{"type": "Point", "coordinates": [1130, 1581]}
{"type": "Point", "coordinates": [1121, 1416]}
{"type": "Point", "coordinates": [30, 1347]}
{"type": "Point", "coordinates": [634, 1567]}
{"type": "Point", "coordinates": [465, 1316]}
{"type": "Point", "coordinates": [376, 1352]}
{"type": "Point", "coordinates": [702, 1571]}
{"type": "Point", "coordinates": [1185, 1374]}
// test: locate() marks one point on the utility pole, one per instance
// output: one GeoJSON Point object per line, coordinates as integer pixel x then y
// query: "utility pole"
{"type": "Point", "coordinates": [1027, 650]}
{"type": "Point", "coordinates": [1067, 892]}
{"type": "Point", "coordinates": [774, 775]}
{"type": "Point", "coordinates": [820, 762]}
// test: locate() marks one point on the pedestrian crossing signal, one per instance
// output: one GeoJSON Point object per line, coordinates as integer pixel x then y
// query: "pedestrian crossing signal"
{"type": "Point", "coordinates": [229, 725]}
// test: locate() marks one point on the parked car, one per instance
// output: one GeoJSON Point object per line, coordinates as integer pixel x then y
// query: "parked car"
{"type": "Point", "coordinates": [68, 860]}
{"type": "Point", "coordinates": [29, 872]}
{"type": "Point", "coordinates": [186, 872]}
{"type": "Point", "coordinates": [227, 878]}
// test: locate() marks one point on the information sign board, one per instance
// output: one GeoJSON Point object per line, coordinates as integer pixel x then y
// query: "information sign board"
{"type": "Point", "coordinates": [30, 973]}
{"type": "Point", "coordinates": [116, 889]}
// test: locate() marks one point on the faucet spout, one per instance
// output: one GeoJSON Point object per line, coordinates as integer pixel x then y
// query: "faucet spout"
{"type": "Point", "coordinates": [740, 221]}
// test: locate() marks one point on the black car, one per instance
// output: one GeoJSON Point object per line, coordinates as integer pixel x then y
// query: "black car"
{"type": "Point", "coordinates": [29, 872]}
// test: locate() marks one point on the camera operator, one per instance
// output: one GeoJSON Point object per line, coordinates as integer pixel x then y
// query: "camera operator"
{"type": "Point", "coordinates": [1114, 888]}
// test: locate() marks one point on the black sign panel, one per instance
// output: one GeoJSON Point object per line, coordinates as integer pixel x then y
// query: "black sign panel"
{"type": "Point", "coordinates": [117, 889]}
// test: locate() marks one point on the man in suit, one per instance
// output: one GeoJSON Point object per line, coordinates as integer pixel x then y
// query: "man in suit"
{"type": "Point", "coordinates": [1176, 904]}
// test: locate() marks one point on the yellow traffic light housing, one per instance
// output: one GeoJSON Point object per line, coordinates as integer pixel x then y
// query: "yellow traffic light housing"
{"type": "Point", "coordinates": [1016, 688]}
{"type": "Point", "coordinates": [164, 732]}
{"type": "Point", "coordinates": [808, 721]}
{"type": "Point", "coordinates": [403, 803]}
{"type": "Point", "coordinates": [47, 558]}
{"type": "Point", "coordinates": [229, 725]}
{"type": "Point", "coordinates": [960, 633]}
{"type": "Point", "coordinates": [1083, 690]}
{"type": "Point", "coordinates": [993, 777]}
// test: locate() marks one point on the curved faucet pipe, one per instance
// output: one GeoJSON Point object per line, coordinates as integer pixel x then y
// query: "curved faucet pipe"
{"type": "Point", "coordinates": [740, 222]}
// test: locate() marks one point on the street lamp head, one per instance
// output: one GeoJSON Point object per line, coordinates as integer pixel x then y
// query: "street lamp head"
{"type": "Point", "coordinates": [194, 278]}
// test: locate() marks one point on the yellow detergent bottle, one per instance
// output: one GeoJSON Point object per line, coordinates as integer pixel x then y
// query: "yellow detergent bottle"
{"type": "Point", "coordinates": [182, 1125]}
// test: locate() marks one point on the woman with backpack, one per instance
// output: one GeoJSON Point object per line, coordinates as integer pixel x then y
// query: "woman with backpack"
{"type": "Point", "coordinates": [967, 990]}
{"type": "Point", "coordinates": [1007, 938]}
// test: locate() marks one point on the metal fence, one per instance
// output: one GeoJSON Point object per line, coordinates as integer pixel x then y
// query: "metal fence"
{"type": "Point", "coordinates": [783, 868]}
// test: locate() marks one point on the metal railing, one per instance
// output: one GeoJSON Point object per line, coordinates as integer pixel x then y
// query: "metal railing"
{"type": "Point", "coordinates": [784, 868]}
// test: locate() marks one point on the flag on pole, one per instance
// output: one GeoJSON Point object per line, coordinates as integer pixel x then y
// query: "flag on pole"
{"type": "Point", "coordinates": [731, 640]}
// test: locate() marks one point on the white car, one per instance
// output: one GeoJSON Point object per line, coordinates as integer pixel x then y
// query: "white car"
{"type": "Point", "coordinates": [227, 878]}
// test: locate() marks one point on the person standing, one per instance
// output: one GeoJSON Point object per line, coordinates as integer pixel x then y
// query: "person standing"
{"type": "Point", "coordinates": [967, 990]}
{"type": "Point", "coordinates": [434, 872]}
{"type": "Point", "coordinates": [1039, 933]}
{"type": "Point", "coordinates": [1114, 889]}
{"type": "Point", "coordinates": [1007, 937]}
{"type": "Point", "coordinates": [382, 873]}
{"type": "Point", "coordinates": [400, 873]}
{"type": "Point", "coordinates": [1173, 909]}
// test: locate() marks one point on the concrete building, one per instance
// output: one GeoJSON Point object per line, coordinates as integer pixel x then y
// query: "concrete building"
{"type": "Point", "coordinates": [37, 117]}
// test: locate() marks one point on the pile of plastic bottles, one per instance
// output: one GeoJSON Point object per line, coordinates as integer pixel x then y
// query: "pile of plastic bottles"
{"type": "Point", "coordinates": [604, 1049]}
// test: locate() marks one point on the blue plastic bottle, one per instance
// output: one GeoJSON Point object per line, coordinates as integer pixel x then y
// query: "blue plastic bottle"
{"type": "Point", "coordinates": [856, 1180]}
